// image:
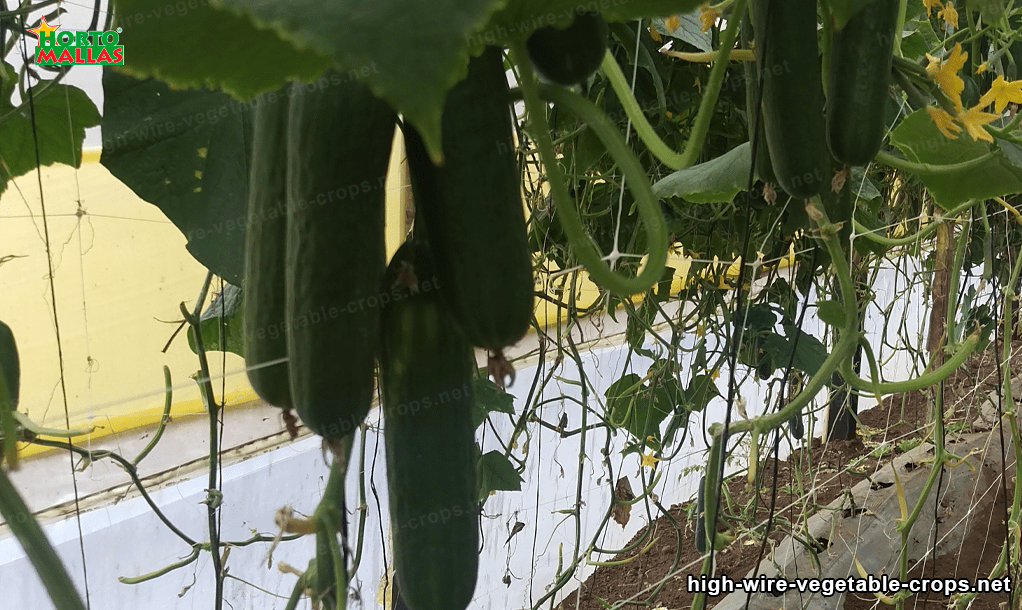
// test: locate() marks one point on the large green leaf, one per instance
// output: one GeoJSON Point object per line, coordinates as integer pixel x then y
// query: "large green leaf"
{"type": "Point", "coordinates": [689, 29]}
{"type": "Point", "coordinates": [62, 113]}
{"type": "Point", "coordinates": [202, 45]}
{"type": "Point", "coordinates": [408, 52]}
{"type": "Point", "coordinates": [919, 140]}
{"type": "Point", "coordinates": [715, 181]}
{"type": "Point", "coordinates": [185, 152]}
{"type": "Point", "coordinates": [522, 17]}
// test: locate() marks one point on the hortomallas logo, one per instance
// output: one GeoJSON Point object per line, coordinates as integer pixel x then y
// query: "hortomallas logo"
{"type": "Point", "coordinates": [67, 48]}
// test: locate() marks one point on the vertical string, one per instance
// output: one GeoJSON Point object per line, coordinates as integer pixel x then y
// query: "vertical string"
{"type": "Point", "coordinates": [53, 303]}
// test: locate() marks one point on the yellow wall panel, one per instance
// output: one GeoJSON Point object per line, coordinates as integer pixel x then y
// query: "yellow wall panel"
{"type": "Point", "coordinates": [120, 272]}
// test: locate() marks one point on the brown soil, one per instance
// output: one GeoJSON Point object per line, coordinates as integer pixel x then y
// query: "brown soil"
{"type": "Point", "coordinates": [900, 417]}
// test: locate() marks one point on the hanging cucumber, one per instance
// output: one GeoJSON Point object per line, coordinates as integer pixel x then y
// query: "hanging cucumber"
{"type": "Point", "coordinates": [700, 520]}
{"type": "Point", "coordinates": [788, 57]}
{"type": "Point", "coordinates": [858, 80]}
{"type": "Point", "coordinates": [339, 143]}
{"type": "Point", "coordinates": [426, 370]}
{"type": "Point", "coordinates": [10, 366]}
{"type": "Point", "coordinates": [10, 374]}
{"type": "Point", "coordinates": [472, 210]}
{"type": "Point", "coordinates": [757, 134]}
{"type": "Point", "coordinates": [569, 56]}
{"type": "Point", "coordinates": [265, 235]}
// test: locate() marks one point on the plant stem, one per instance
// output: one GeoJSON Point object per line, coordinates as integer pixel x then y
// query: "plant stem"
{"type": "Point", "coordinates": [694, 146]}
{"type": "Point", "coordinates": [213, 410]}
{"type": "Point", "coordinates": [649, 209]}
{"type": "Point", "coordinates": [44, 559]}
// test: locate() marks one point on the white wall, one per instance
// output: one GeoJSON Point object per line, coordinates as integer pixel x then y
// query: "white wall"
{"type": "Point", "coordinates": [126, 539]}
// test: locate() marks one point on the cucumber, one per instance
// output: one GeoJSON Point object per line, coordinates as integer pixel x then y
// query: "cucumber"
{"type": "Point", "coordinates": [339, 141]}
{"type": "Point", "coordinates": [10, 374]}
{"type": "Point", "coordinates": [757, 135]}
{"type": "Point", "coordinates": [10, 366]}
{"type": "Point", "coordinates": [265, 236]}
{"type": "Point", "coordinates": [426, 372]}
{"type": "Point", "coordinates": [858, 80]}
{"type": "Point", "coordinates": [700, 537]}
{"type": "Point", "coordinates": [788, 57]}
{"type": "Point", "coordinates": [569, 56]}
{"type": "Point", "coordinates": [710, 486]}
{"type": "Point", "coordinates": [471, 208]}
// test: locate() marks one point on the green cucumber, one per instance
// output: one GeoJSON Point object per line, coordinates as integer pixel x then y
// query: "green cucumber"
{"type": "Point", "coordinates": [265, 236]}
{"type": "Point", "coordinates": [471, 208]}
{"type": "Point", "coordinates": [858, 82]}
{"type": "Point", "coordinates": [426, 372]}
{"type": "Point", "coordinates": [787, 56]}
{"type": "Point", "coordinates": [10, 376]}
{"type": "Point", "coordinates": [339, 142]}
{"type": "Point", "coordinates": [757, 134]}
{"type": "Point", "coordinates": [569, 56]}
{"type": "Point", "coordinates": [10, 366]}
{"type": "Point", "coordinates": [700, 537]}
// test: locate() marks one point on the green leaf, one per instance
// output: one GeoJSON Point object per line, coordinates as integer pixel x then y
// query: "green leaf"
{"type": "Point", "coordinates": [489, 398]}
{"type": "Point", "coordinates": [701, 390]}
{"type": "Point", "coordinates": [689, 30]}
{"type": "Point", "coordinates": [870, 219]}
{"type": "Point", "coordinates": [809, 353]}
{"type": "Point", "coordinates": [761, 318]}
{"type": "Point", "coordinates": [186, 152]}
{"type": "Point", "coordinates": [522, 17]}
{"type": "Point", "coordinates": [715, 181]}
{"type": "Point", "coordinates": [831, 312]}
{"type": "Point", "coordinates": [990, 10]}
{"type": "Point", "coordinates": [862, 187]}
{"type": "Point", "coordinates": [634, 9]}
{"type": "Point", "coordinates": [637, 408]}
{"type": "Point", "coordinates": [408, 52]}
{"type": "Point", "coordinates": [62, 113]}
{"type": "Point", "coordinates": [637, 323]}
{"type": "Point", "coordinates": [228, 306]}
{"type": "Point", "coordinates": [920, 141]}
{"type": "Point", "coordinates": [496, 473]}
{"type": "Point", "coordinates": [206, 45]}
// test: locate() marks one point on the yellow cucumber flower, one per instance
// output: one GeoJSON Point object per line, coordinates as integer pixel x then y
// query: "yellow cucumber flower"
{"type": "Point", "coordinates": [707, 16]}
{"type": "Point", "coordinates": [974, 119]}
{"type": "Point", "coordinates": [1001, 93]}
{"type": "Point", "coordinates": [945, 74]}
{"type": "Point", "coordinates": [944, 122]}
{"type": "Point", "coordinates": [949, 15]}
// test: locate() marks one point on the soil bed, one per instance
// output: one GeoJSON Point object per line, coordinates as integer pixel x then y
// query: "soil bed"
{"type": "Point", "coordinates": [900, 419]}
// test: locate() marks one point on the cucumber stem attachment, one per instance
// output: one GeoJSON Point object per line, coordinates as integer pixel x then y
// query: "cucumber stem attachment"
{"type": "Point", "coordinates": [649, 208]}
{"type": "Point", "coordinates": [707, 105]}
